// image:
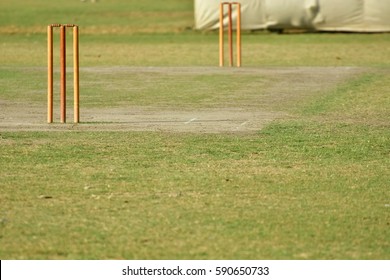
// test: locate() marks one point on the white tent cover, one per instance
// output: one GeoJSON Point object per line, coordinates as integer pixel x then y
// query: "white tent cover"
{"type": "Point", "coordinates": [326, 15]}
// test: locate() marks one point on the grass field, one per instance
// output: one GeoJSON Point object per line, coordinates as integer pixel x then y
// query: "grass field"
{"type": "Point", "coordinates": [310, 182]}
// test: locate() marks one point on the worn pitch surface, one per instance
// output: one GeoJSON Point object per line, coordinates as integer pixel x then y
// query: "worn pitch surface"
{"type": "Point", "coordinates": [290, 85]}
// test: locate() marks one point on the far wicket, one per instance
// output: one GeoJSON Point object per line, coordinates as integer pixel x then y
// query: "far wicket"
{"type": "Point", "coordinates": [230, 6]}
{"type": "Point", "coordinates": [63, 72]}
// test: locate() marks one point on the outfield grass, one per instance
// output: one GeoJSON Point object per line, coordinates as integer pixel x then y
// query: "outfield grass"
{"type": "Point", "coordinates": [146, 33]}
{"type": "Point", "coordinates": [313, 184]}
{"type": "Point", "coordinates": [197, 49]}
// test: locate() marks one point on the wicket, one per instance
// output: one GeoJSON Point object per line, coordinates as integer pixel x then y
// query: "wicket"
{"type": "Point", "coordinates": [230, 6]}
{"type": "Point", "coordinates": [63, 72]}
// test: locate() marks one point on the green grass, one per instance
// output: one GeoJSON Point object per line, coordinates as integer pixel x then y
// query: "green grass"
{"type": "Point", "coordinates": [363, 98]}
{"type": "Point", "coordinates": [199, 49]}
{"type": "Point", "coordinates": [105, 16]}
{"type": "Point", "coordinates": [146, 33]}
{"type": "Point", "coordinates": [311, 185]}
{"type": "Point", "coordinates": [152, 195]}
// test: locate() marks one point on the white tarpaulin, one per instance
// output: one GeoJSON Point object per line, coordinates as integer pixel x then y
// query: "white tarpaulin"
{"type": "Point", "coordinates": [354, 15]}
{"type": "Point", "coordinates": [327, 15]}
{"type": "Point", "coordinates": [281, 14]}
{"type": "Point", "coordinates": [207, 14]}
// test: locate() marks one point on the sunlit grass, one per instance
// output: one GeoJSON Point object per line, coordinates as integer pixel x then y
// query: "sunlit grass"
{"type": "Point", "coordinates": [311, 185]}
